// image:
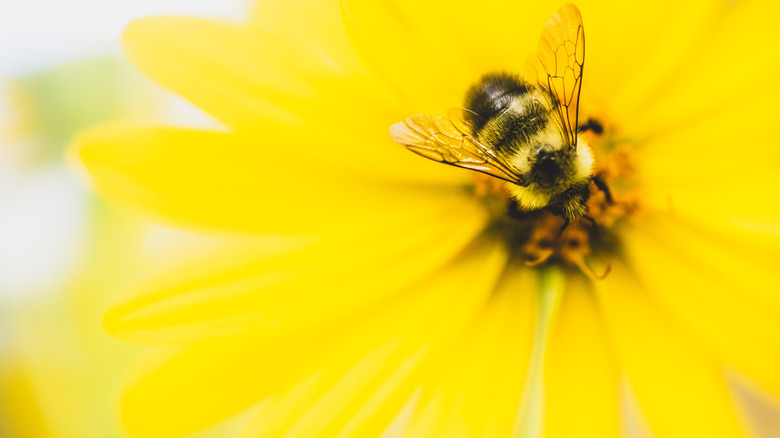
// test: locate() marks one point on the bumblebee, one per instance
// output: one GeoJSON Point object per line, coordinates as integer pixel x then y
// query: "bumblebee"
{"type": "Point", "coordinates": [522, 131]}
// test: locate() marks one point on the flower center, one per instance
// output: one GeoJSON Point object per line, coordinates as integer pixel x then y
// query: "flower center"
{"type": "Point", "coordinates": [538, 237]}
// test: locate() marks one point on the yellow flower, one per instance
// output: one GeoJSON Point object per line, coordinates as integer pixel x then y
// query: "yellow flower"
{"type": "Point", "coordinates": [409, 307]}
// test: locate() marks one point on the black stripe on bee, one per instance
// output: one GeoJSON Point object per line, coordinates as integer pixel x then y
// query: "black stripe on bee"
{"type": "Point", "coordinates": [500, 124]}
{"type": "Point", "coordinates": [492, 95]}
{"type": "Point", "coordinates": [514, 128]}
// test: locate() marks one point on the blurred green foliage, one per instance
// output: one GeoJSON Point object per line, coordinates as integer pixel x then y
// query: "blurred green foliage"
{"type": "Point", "coordinates": [56, 103]}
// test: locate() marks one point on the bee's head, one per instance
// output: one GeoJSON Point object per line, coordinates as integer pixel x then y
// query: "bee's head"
{"type": "Point", "coordinates": [549, 166]}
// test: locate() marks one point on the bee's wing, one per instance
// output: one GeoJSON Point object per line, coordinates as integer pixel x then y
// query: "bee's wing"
{"type": "Point", "coordinates": [557, 66]}
{"type": "Point", "coordinates": [448, 140]}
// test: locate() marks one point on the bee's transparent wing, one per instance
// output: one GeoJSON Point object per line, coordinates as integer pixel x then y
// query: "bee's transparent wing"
{"type": "Point", "coordinates": [557, 66]}
{"type": "Point", "coordinates": [448, 140]}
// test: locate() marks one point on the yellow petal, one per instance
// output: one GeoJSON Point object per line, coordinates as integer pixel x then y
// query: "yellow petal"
{"type": "Point", "coordinates": [180, 390]}
{"type": "Point", "coordinates": [485, 36]}
{"type": "Point", "coordinates": [721, 291]}
{"type": "Point", "coordinates": [742, 210]}
{"type": "Point", "coordinates": [618, 36]}
{"type": "Point", "coordinates": [221, 67]}
{"type": "Point", "coordinates": [477, 390]}
{"type": "Point", "coordinates": [741, 270]}
{"type": "Point", "coordinates": [253, 289]}
{"type": "Point", "coordinates": [681, 391]}
{"type": "Point", "coordinates": [642, 47]}
{"type": "Point", "coordinates": [211, 179]}
{"type": "Point", "coordinates": [732, 64]}
{"type": "Point", "coordinates": [324, 405]}
{"type": "Point", "coordinates": [581, 377]}
{"type": "Point", "coordinates": [406, 340]}
{"type": "Point", "coordinates": [274, 90]}
{"type": "Point", "coordinates": [737, 139]}
{"type": "Point", "coordinates": [431, 75]}
{"type": "Point", "coordinates": [324, 38]}
{"type": "Point", "coordinates": [717, 172]}
{"type": "Point", "coordinates": [244, 77]}
{"type": "Point", "coordinates": [177, 391]}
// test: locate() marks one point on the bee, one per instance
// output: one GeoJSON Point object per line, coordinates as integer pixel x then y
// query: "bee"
{"type": "Point", "coordinates": [522, 131]}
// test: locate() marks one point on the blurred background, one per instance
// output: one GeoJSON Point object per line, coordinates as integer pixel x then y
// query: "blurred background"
{"type": "Point", "coordinates": [64, 253]}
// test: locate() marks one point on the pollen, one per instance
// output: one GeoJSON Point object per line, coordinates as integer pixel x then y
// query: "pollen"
{"type": "Point", "coordinates": [587, 244]}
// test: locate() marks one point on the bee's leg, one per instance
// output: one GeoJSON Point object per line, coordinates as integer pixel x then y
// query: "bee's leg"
{"type": "Point", "coordinates": [591, 125]}
{"type": "Point", "coordinates": [563, 227]}
{"type": "Point", "coordinates": [513, 210]}
{"type": "Point", "coordinates": [603, 187]}
{"type": "Point", "coordinates": [593, 224]}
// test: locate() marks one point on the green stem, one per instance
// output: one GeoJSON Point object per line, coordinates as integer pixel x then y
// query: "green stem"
{"type": "Point", "coordinates": [532, 406]}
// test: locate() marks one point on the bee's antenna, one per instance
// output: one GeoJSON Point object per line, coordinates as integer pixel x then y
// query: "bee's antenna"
{"type": "Point", "coordinates": [563, 227]}
{"type": "Point", "coordinates": [592, 221]}
{"type": "Point", "coordinates": [593, 224]}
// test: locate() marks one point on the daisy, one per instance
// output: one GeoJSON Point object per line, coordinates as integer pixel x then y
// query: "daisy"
{"type": "Point", "coordinates": [411, 300]}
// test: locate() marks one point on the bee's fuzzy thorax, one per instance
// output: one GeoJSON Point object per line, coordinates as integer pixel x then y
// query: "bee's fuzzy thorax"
{"type": "Point", "coordinates": [574, 181]}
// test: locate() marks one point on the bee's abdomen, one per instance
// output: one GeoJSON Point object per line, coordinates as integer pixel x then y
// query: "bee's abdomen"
{"type": "Point", "coordinates": [493, 95]}
{"type": "Point", "coordinates": [504, 111]}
